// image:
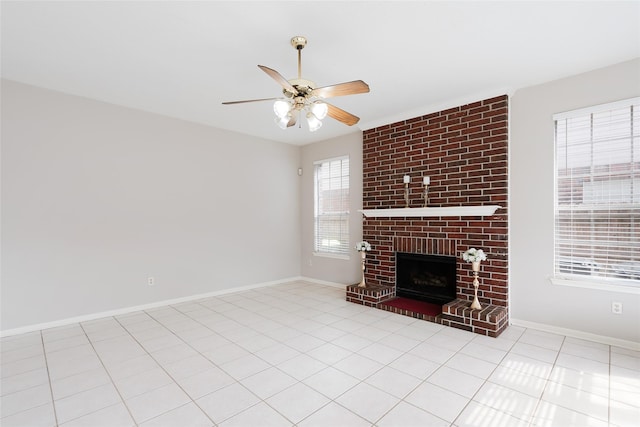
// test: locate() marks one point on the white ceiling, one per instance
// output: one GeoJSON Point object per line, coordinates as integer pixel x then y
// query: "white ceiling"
{"type": "Point", "coordinates": [182, 59]}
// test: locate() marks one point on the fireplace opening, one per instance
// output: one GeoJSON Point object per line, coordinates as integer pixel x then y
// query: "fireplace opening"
{"type": "Point", "coordinates": [430, 278]}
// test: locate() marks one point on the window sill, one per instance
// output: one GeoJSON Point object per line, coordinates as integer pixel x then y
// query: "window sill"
{"type": "Point", "coordinates": [600, 286]}
{"type": "Point", "coordinates": [334, 256]}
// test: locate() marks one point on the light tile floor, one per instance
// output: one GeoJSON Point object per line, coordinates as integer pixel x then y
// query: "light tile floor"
{"type": "Point", "coordinates": [299, 354]}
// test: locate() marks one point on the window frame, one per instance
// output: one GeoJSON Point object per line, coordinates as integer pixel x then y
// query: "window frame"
{"type": "Point", "coordinates": [592, 280]}
{"type": "Point", "coordinates": [345, 252]}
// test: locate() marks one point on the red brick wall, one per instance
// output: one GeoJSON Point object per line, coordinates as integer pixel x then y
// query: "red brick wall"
{"type": "Point", "coordinates": [464, 152]}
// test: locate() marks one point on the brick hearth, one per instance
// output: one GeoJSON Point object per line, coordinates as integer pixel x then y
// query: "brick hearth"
{"type": "Point", "coordinates": [464, 151]}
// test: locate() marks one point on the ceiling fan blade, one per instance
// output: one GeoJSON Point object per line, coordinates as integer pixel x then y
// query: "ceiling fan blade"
{"type": "Point", "coordinates": [248, 100]}
{"type": "Point", "coordinates": [278, 78]}
{"type": "Point", "coordinates": [341, 115]}
{"type": "Point", "coordinates": [341, 89]}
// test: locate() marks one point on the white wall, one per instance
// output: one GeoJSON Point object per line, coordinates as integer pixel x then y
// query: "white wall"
{"type": "Point", "coordinates": [533, 297]}
{"type": "Point", "coordinates": [319, 267]}
{"type": "Point", "coordinates": [96, 198]}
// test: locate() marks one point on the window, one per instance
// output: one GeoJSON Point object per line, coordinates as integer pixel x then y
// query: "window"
{"type": "Point", "coordinates": [597, 203]}
{"type": "Point", "coordinates": [331, 230]}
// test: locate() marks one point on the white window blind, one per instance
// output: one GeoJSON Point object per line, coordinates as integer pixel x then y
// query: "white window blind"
{"type": "Point", "coordinates": [332, 206]}
{"type": "Point", "coordinates": [597, 205]}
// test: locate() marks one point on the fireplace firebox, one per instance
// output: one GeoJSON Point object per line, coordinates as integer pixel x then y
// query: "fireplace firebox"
{"type": "Point", "coordinates": [430, 278]}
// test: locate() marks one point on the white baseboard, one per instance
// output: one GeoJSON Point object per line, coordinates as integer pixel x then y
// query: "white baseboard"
{"type": "Point", "coordinates": [632, 345]}
{"type": "Point", "coordinates": [126, 310]}
{"type": "Point", "coordinates": [322, 282]}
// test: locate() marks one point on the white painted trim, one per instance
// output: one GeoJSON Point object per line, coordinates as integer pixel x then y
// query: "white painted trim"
{"type": "Point", "coordinates": [603, 285]}
{"type": "Point", "coordinates": [344, 257]}
{"type": "Point", "coordinates": [324, 282]}
{"type": "Point", "coordinates": [431, 212]}
{"type": "Point", "coordinates": [577, 334]}
{"type": "Point", "coordinates": [126, 310]}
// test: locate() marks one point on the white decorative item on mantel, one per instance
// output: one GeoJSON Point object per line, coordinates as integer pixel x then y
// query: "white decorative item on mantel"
{"type": "Point", "coordinates": [474, 256]}
{"type": "Point", "coordinates": [363, 247]}
{"type": "Point", "coordinates": [485, 210]}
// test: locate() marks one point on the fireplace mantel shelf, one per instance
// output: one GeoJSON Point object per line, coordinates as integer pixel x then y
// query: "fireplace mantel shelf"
{"type": "Point", "coordinates": [485, 210]}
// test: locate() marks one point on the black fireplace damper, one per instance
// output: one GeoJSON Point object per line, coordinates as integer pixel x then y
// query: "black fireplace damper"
{"type": "Point", "coordinates": [430, 278]}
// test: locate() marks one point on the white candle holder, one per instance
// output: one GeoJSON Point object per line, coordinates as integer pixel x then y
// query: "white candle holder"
{"type": "Point", "coordinates": [475, 266]}
{"type": "Point", "coordinates": [362, 283]}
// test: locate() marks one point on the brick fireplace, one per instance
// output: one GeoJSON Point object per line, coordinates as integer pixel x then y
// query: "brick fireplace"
{"type": "Point", "coordinates": [464, 152]}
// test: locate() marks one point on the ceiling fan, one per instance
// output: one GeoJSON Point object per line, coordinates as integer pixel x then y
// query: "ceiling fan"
{"type": "Point", "coordinates": [301, 96]}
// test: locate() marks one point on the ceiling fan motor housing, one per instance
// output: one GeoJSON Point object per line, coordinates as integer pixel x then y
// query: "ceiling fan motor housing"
{"type": "Point", "coordinates": [304, 87]}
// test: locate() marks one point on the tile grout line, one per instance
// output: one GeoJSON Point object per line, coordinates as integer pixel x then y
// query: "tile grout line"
{"type": "Point", "coordinates": [574, 388]}
{"type": "Point", "coordinates": [424, 381]}
{"type": "Point", "coordinates": [420, 383]}
{"type": "Point", "coordinates": [49, 381]}
{"type": "Point", "coordinates": [109, 375]}
{"type": "Point", "coordinates": [271, 365]}
{"type": "Point", "coordinates": [363, 381]}
{"type": "Point", "coordinates": [331, 400]}
{"type": "Point", "coordinates": [413, 389]}
{"type": "Point", "coordinates": [46, 363]}
{"type": "Point", "coordinates": [237, 381]}
{"type": "Point", "coordinates": [609, 389]}
{"type": "Point", "coordinates": [161, 367]}
{"type": "Point", "coordinates": [546, 382]}
{"type": "Point", "coordinates": [25, 389]}
{"type": "Point", "coordinates": [334, 400]}
{"type": "Point", "coordinates": [484, 382]}
{"type": "Point", "coordinates": [215, 364]}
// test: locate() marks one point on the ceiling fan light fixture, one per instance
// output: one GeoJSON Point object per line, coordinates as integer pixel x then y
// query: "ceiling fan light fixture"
{"type": "Point", "coordinates": [281, 108]}
{"type": "Point", "coordinates": [283, 122]}
{"type": "Point", "coordinates": [313, 121]}
{"type": "Point", "coordinates": [319, 109]}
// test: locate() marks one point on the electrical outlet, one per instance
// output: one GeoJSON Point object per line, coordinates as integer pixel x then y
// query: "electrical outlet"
{"type": "Point", "coordinates": [616, 307]}
{"type": "Point", "coordinates": [150, 281]}
{"type": "Point", "coordinates": [310, 262]}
